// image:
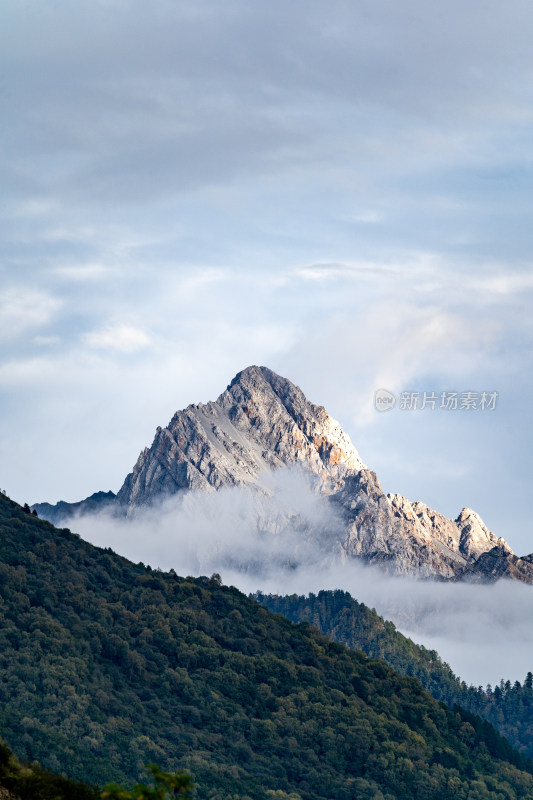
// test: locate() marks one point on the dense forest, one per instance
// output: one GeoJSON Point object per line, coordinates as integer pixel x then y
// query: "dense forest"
{"type": "Point", "coordinates": [107, 665]}
{"type": "Point", "coordinates": [509, 707]}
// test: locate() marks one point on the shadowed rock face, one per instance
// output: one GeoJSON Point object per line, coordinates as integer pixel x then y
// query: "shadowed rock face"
{"type": "Point", "coordinates": [262, 422]}
{"type": "Point", "coordinates": [501, 562]}
{"type": "Point", "coordinates": [58, 513]}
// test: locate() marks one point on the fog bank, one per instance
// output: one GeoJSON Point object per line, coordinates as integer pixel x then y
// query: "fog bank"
{"type": "Point", "coordinates": [286, 539]}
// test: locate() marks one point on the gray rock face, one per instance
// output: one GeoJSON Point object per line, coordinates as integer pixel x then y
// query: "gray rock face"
{"type": "Point", "coordinates": [384, 529]}
{"type": "Point", "coordinates": [467, 536]}
{"type": "Point", "coordinates": [411, 538]}
{"type": "Point", "coordinates": [261, 423]}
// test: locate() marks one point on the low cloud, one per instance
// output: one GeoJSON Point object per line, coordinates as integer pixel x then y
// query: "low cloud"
{"type": "Point", "coordinates": [274, 528]}
{"type": "Point", "coordinates": [482, 631]}
{"type": "Point", "coordinates": [285, 539]}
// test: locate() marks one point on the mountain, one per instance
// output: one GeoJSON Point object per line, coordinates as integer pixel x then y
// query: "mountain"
{"type": "Point", "coordinates": [107, 665]}
{"type": "Point", "coordinates": [262, 423]}
{"type": "Point", "coordinates": [509, 707]}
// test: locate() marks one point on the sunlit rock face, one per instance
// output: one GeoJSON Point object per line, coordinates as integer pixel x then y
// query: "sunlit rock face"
{"type": "Point", "coordinates": [261, 424]}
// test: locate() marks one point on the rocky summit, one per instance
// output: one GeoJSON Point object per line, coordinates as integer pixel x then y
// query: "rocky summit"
{"type": "Point", "coordinates": [262, 423]}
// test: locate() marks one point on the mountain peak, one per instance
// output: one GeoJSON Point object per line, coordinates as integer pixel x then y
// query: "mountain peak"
{"type": "Point", "coordinates": [251, 373]}
{"type": "Point", "coordinates": [261, 422]}
{"type": "Point", "coordinates": [254, 377]}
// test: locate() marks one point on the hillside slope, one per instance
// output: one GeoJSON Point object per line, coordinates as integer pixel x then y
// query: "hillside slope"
{"type": "Point", "coordinates": [125, 665]}
{"type": "Point", "coordinates": [337, 615]}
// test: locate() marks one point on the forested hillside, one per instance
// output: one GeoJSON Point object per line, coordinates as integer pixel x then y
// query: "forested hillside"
{"type": "Point", "coordinates": [509, 707]}
{"type": "Point", "coordinates": [107, 665]}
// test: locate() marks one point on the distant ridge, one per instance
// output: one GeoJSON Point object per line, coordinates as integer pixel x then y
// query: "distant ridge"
{"type": "Point", "coordinates": [61, 511]}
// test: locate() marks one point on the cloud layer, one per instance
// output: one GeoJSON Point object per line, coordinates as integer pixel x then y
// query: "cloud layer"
{"type": "Point", "coordinates": [286, 541]}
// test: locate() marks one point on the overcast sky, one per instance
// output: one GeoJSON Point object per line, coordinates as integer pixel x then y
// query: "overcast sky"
{"type": "Point", "coordinates": [340, 191]}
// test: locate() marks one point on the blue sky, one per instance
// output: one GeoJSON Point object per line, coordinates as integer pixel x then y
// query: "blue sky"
{"type": "Point", "coordinates": [339, 191]}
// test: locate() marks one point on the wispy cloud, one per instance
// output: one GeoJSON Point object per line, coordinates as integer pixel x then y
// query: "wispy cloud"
{"type": "Point", "coordinates": [367, 218]}
{"type": "Point", "coordinates": [501, 283]}
{"type": "Point", "coordinates": [83, 272]}
{"type": "Point", "coordinates": [45, 341]}
{"type": "Point", "coordinates": [23, 310]}
{"type": "Point", "coordinates": [121, 337]}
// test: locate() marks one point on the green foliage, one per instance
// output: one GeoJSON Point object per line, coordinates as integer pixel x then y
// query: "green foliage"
{"type": "Point", "coordinates": [508, 707]}
{"type": "Point", "coordinates": [32, 782]}
{"type": "Point", "coordinates": [167, 785]}
{"type": "Point", "coordinates": [106, 665]}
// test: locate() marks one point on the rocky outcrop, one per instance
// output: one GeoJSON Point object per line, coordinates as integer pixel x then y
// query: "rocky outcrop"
{"type": "Point", "coordinates": [467, 536]}
{"type": "Point", "coordinates": [499, 562]}
{"type": "Point", "coordinates": [475, 538]}
{"type": "Point", "coordinates": [385, 529]}
{"type": "Point", "coordinates": [262, 423]}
